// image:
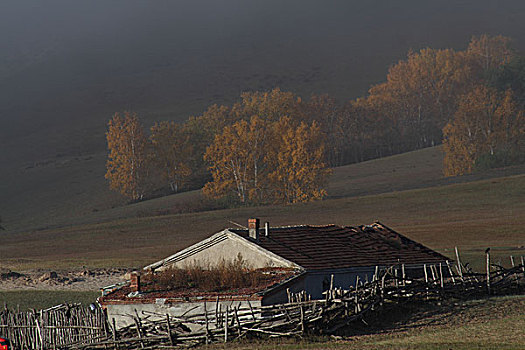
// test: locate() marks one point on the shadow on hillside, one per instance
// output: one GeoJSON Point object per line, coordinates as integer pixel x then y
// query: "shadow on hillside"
{"type": "Point", "coordinates": [403, 317]}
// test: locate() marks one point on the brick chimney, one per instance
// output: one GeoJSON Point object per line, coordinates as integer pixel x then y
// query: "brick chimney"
{"type": "Point", "coordinates": [253, 228]}
{"type": "Point", "coordinates": [135, 281]}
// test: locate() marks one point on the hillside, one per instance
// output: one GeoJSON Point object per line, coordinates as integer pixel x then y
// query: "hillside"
{"type": "Point", "coordinates": [51, 205]}
{"type": "Point", "coordinates": [63, 76]}
{"type": "Point", "coordinates": [473, 216]}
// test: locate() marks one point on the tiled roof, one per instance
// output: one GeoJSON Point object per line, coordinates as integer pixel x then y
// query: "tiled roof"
{"type": "Point", "coordinates": [331, 246]}
{"type": "Point", "coordinates": [275, 277]}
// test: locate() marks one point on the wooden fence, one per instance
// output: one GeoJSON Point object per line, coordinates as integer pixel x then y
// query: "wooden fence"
{"type": "Point", "coordinates": [301, 315]}
{"type": "Point", "coordinates": [56, 328]}
{"type": "Point", "coordinates": [67, 327]}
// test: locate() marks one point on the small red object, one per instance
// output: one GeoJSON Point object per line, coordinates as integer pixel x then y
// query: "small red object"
{"type": "Point", "coordinates": [4, 344]}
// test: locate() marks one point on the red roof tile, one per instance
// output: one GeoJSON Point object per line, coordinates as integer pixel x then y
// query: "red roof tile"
{"type": "Point", "coordinates": [335, 247]}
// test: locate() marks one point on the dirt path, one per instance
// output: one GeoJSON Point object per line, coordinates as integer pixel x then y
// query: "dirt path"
{"type": "Point", "coordinates": [60, 280]}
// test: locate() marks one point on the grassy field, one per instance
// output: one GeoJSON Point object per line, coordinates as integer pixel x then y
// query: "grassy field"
{"type": "Point", "coordinates": [42, 299]}
{"type": "Point", "coordinates": [472, 216]}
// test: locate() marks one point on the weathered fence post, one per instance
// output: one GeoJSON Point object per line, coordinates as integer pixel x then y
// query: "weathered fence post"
{"type": "Point", "coordinates": [217, 313]}
{"type": "Point", "coordinates": [170, 336]}
{"type": "Point", "coordinates": [459, 266]}
{"type": "Point", "coordinates": [207, 325]}
{"type": "Point", "coordinates": [488, 271]}
{"type": "Point", "coordinates": [302, 319]}
{"type": "Point", "coordinates": [137, 324]}
{"type": "Point", "coordinates": [115, 333]}
{"type": "Point", "coordinates": [39, 332]}
{"type": "Point", "coordinates": [426, 278]}
{"type": "Point", "coordinates": [226, 325]}
{"type": "Point", "coordinates": [239, 329]}
{"type": "Point", "coordinates": [331, 285]}
{"type": "Point", "coordinates": [441, 277]}
{"type": "Point", "coordinates": [450, 272]}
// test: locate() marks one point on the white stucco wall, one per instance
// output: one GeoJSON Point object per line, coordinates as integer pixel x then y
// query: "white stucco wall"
{"type": "Point", "coordinates": [124, 313]}
{"type": "Point", "coordinates": [228, 249]}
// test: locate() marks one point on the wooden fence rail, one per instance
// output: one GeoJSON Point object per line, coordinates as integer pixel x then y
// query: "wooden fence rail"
{"type": "Point", "coordinates": [55, 328]}
{"type": "Point", "coordinates": [75, 327]}
{"type": "Point", "coordinates": [302, 315]}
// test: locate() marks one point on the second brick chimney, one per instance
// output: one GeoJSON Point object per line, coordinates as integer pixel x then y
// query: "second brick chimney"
{"type": "Point", "coordinates": [253, 228]}
{"type": "Point", "coordinates": [135, 281]}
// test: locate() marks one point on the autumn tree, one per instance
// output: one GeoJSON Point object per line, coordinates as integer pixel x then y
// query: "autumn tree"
{"type": "Point", "coordinates": [325, 111]}
{"type": "Point", "coordinates": [201, 131]}
{"type": "Point", "coordinates": [419, 94]}
{"type": "Point", "coordinates": [489, 52]}
{"type": "Point", "coordinates": [486, 123]}
{"type": "Point", "coordinates": [510, 76]}
{"type": "Point", "coordinates": [236, 161]}
{"type": "Point", "coordinates": [260, 161]}
{"type": "Point", "coordinates": [267, 105]}
{"type": "Point", "coordinates": [171, 152]}
{"type": "Point", "coordinates": [298, 173]}
{"type": "Point", "coordinates": [127, 166]}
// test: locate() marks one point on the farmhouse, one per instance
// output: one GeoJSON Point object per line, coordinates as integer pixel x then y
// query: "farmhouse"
{"type": "Point", "coordinates": [295, 259]}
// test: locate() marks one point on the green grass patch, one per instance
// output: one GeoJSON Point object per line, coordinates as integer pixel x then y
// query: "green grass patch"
{"type": "Point", "coordinates": [42, 299]}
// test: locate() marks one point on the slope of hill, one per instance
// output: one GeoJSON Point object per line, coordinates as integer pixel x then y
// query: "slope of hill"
{"type": "Point", "coordinates": [473, 216]}
{"type": "Point", "coordinates": [411, 170]}
{"type": "Point", "coordinates": [51, 203]}
{"type": "Point", "coordinates": [66, 67]}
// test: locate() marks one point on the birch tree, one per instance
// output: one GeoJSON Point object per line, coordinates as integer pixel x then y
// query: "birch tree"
{"type": "Point", "coordinates": [236, 161]}
{"type": "Point", "coordinates": [126, 164]}
{"type": "Point", "coordinates": [486, 122]}
{"type": "Point", "coordinates": [171, 153]}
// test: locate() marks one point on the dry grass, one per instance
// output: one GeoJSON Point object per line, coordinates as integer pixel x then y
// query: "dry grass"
{"type": "Point", "coordinates": [226, 275]}
{"type": "Point", "coordinates": [495, 323]}
{"type": "Point", "coordinates": [472, 216]}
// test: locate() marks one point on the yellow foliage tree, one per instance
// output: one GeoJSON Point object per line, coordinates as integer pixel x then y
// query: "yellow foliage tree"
{"type": "Point", "coordinates": [420, 94]}
{"type": "Point", "coordinates": [484, 122]}
{"type": "Point", "coordinates": [261, 161]}
{"type": "Point", "coordinates": [201, 131]}
{"type": "Point", "coordinates": [236, 161]}
{"type": "Point", "coordinates": [171, 153]}
{"type": "Point", "coordinates": [489, 52]}
{"type": "Point", "coordinates": [127, 159]}
{"type": "Point", "coordinates": [298, 171]}
{"type": "Point", "coordinates": [267, 105]}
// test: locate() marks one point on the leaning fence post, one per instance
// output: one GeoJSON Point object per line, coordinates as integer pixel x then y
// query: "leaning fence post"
{"type": "Point", "coordinates": [302, 318]}
{"type": "Point", "coordinates": [137, 324]}
{"type": "Point", "coordinates": [207, 325]}
{"type": "Point", "coordinates": [450, 271]}
{"type": "Point", "coordinates": [426, 278]}
{"type": "Point", "coordinates": [226, 325]}
{"type": "Point", "coordinates": [114, 333]}
{"type": "Point", "coordinates": [441, 277]}
{"type": "Point", "coordinates": [39, 331]}
{"type": "Point", "coordinates": [331, 286]}
{"type": "Point", "coordinates": [488, 271]}
{"type": "Point", "coordinates": [217, 313]}
{"type": "Point", "coordinates": [516, 276]}
{"type": "Point", "coordinates": [169, 329]}
{"type": "Point", "coordinates": [459, 267]}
